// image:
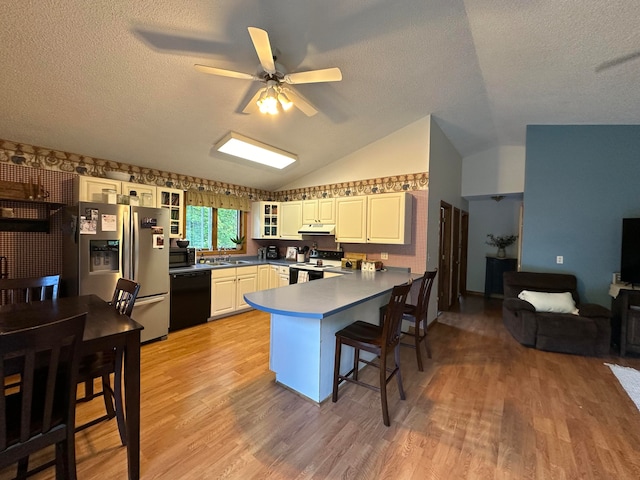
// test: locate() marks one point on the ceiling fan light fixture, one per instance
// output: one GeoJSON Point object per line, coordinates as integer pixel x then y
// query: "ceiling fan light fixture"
{"type": "Point", "coordinates": [285, 103]}
{"type": "Point", "coordinates": [268, 101]}
{"type": "Point", "coordinates": [255, 151]}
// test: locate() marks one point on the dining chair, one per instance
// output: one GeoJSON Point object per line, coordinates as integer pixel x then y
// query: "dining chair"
{"type": "Point", "coordinates": [418, 315]}
{"type": "Point", "coordinates": [40, 410]}
{"type": "Point", "coordinates": [379, 340]}
{"type": "Point", "coordinates": [20, 290]}
{"type": "Point", "coordinates": [101, 365]}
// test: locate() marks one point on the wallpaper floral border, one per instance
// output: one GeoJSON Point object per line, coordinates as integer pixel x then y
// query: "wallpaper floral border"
{"type": "Point", "coordinates": [48, 159]}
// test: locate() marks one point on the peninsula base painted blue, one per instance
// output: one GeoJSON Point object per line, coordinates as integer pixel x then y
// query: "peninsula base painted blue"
{"type": "Point", "coordinates": [303, 349]}
{"type": "Point", "coordinates": [305, 318]}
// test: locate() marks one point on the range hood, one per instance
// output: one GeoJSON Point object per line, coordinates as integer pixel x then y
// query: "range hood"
{"type": "Point", "coordinates": [317, 229]}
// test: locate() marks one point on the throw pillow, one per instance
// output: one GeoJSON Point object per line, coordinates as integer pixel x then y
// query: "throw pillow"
{"type": "Point", "coordinates": [550, 302]}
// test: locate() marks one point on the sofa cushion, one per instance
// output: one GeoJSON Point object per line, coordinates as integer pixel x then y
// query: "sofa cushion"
{"type": "Point", "coordinates": [550, 302]}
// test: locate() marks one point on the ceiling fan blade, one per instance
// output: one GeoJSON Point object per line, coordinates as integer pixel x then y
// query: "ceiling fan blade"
{"type": "Point", "coordinates": [260, 40]}
{"type": "Point", "coordinates": [252, 106]}
{"type": "Point", "coordinates": [314, 76]}
{"type": "Point", "coordinates": [224, 73]}
{"type": "Point", "coordinates": [617, 61]}
{"type": "Point", "coordinates": [299, 101]}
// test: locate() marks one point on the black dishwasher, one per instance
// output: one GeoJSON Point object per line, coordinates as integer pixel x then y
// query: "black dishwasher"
{"type": "Point", "coordinates": [190, 299]}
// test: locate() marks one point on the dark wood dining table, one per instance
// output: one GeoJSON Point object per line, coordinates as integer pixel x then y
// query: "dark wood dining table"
{"type": "Point", "coordinates": [105, 328]}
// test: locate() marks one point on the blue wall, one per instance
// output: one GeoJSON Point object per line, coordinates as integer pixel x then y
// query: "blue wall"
{"type": "Point", "coordinates": [580, 181]}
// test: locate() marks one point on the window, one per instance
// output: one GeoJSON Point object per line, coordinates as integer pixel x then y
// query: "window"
{"type": "Point", "coordinates": [212, 229]}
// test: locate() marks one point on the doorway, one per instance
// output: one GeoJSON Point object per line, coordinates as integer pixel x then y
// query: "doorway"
{"type": "Point", "coordinates": [452, 263]}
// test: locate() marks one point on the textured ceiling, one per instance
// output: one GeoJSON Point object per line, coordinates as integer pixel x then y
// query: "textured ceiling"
{"type": "Point", "coordinates": [115, 79]}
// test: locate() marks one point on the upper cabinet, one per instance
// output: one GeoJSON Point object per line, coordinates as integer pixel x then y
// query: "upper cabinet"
{"type": "Point", "coordinates": [265, 218]}
{"type": "Point", "coordinates": [389, 218]}
{"type": "Point", "coordinates": [91, 189]}
{"type": "Point", "coordinates": [351, 219]}
{"type": "Point", "coordinates": [383, 218]}
{"type": "Point", "coordinates": [319, 211]}
{"type": "Point", "coordinates": [173, 200]}
{"type": "Point", "coordinates": [291, 220]}
{"type": "Point", "coordinates": [145, 193]}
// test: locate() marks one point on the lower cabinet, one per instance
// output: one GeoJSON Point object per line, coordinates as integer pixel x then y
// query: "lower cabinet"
{"type": "Point", "coordinates": [228, 286]}
{"type": "Point", "coordinates": [264, 274]}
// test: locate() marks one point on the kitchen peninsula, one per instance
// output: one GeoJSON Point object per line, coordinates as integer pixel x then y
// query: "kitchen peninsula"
{"type": "Point", "coordinates": [305, 317]}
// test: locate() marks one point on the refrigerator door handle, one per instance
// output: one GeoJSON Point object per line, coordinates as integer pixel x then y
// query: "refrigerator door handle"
{"type": "Point", "coordinates": [126, 240]}
{"type": "Point", "coordinates": [150, 300]}
{"type": "Point", "coordinates": [135, 241]}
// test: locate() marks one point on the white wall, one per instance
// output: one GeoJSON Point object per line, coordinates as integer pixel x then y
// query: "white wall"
{"type": "Point", "coordinates": [494, 171]}
{"type": "Point", "coordinates": [445, 171]}
{"type": "Point", "coordinates": [497, 171]}
{"type": "Point", "coordinates": [404, 151]}
{"type": "Point", "coordinates": [488, 216]}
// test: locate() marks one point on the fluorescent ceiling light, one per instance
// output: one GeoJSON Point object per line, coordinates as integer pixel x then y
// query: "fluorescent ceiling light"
{"type": "Point", "coordinates": [249, 149]}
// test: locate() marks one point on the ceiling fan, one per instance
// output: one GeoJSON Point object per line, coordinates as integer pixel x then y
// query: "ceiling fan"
{"type": "Point", "coordinates": [276, 94]}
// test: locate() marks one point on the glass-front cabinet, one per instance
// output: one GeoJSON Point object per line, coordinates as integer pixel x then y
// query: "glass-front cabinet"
{"type": "Point", "coordinates": [265, 219]}
{"type": "Point", "coordinates": [172, 199]}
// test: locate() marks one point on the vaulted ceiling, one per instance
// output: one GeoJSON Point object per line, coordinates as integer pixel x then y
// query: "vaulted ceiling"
{"type": "Point", "coordinates": [115, 79]}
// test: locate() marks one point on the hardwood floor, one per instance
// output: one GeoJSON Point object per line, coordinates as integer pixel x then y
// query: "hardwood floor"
{"type": "Point", "coordinates": [485, 407]}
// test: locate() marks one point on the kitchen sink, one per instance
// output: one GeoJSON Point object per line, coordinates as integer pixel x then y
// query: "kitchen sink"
{"type": "Point", "coordinates": [238, 262]}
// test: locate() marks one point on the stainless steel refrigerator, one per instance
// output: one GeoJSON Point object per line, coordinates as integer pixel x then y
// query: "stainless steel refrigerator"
{"type": "Point", "coordinates": [104, 242]}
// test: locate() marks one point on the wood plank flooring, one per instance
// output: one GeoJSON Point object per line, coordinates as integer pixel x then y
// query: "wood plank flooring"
{"type": "Point", "coordinates": [484, 408]}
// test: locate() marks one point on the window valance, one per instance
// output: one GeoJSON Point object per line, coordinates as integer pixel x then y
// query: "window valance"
{"type": "Point", "coordinates": [217, 200]}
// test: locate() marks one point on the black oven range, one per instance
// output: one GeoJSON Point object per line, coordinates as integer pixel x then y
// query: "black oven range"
{"type": "Point", "coordinates": [319, 260]}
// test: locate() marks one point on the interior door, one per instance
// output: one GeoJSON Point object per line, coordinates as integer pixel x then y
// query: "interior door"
{"type": "Point", "coordinates": [444, 263]}
{"type": "Point", "coordinates": [464, 245]}
{"type": "Point", "coordinates": [455, 255]}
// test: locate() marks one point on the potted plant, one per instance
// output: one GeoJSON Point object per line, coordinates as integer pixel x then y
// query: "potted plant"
{"type": "Point", "coordinates": [238, 240]}
{"type": "Point", "coordinates": [502, 242]}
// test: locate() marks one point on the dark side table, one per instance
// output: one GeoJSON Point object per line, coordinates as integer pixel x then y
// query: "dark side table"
{"type": "Point", "coordinates": [493, 274]}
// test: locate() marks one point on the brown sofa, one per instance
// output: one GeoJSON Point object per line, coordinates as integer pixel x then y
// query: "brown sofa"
{"type": "Point", "coordinates": [588, 333]}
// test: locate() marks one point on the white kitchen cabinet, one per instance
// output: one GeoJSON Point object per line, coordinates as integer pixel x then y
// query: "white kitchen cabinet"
{"type": "Point", "coordinates": [223, 292]}
{"type": "Point", "coordinates": [89, 189]}
{"type": "Point", "coordinates": [389, 218]}
{"type": "Point", "coordinates": [173, 200]}
{"type": "Point", "coordinates": [290, 220]}
{"type": "Point", "coordinates": [246, 282]}
{"type": "Point", "coordinates": [228, 286]}
{"type": "Point", "coordinates": [322, 210]}
{"type": "Point", "coordinates": [150, 191]}
{"type": "Point", "coordinates": [265, 220]}
{"type": "Point", "coordinates": [274, 276]}
{"type": "Point", "coordinates": [283, 275]}
{"type": "Point", "coordinates": [351, 219]}
{"type": "Point", "coordinates": [264, 274]}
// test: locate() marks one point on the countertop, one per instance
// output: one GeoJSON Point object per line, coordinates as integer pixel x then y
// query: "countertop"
{"type": "Point", "coordinates": [245, 263]}
{"type": "Point", "coordinates": [322, 298]}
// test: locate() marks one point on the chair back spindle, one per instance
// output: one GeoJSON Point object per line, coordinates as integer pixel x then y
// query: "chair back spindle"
{"type": "Point", "coordinates": [124, 296]}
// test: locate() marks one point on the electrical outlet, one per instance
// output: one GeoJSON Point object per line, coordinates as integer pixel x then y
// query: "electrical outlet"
{"type": "Point", "coordinates": [559, 259]}
{"type": "Point", "coordinates": [384, 256]}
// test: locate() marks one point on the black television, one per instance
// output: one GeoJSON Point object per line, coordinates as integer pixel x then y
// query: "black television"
{"type": "Point", "coordinates": [630, 255]}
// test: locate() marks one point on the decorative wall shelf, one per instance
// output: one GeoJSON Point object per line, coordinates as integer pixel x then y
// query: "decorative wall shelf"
{"type": "Point", "coordinates": [38, 223]}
